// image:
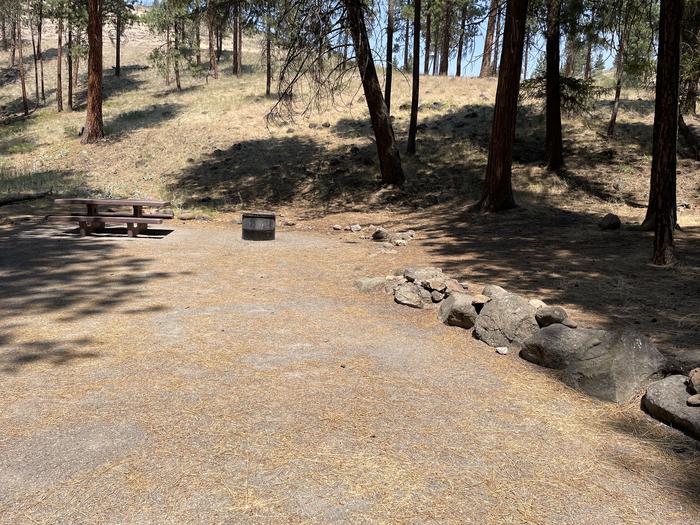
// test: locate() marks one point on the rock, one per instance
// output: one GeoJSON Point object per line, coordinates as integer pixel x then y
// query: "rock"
{"type": "Point", "coordinates": [375, 284]}
{"type": "Point", "coordinates": [410, 294]}
{"type": "Point", "coordinates": [399, 242]}
{"type": "Point", "coordinates": [556, 346]}
{"type": "Point", "coordinates": [380, 234]}
{"type": "Point", "coordinates": [437, 296]}
{"type": "Point", "coordinates": [502, 350]}
{"type": "Point", "coordinates": [453, 286]}
{"type": "Point", "coordinates": [570, 323]}
{"type": "Point", "coordinates": [187, 216]}
{"type": "Point", "coordinates": [610, 222]}
{"type": "Point", "coordinates": [537, 303]}
{"type": "Point", "coordinates": [694, 380]}
{"type": "Point", "coordinates": [693, 401]}
{"type": "Point", "coordinates": [682, 361]}
{"type": "Point", "coordinates": [548, 315]}
{"type": "Point", "coordinates": [326, 124]}
{"type": "Point", "coordinates": [478, 301]}
{"type": "Point", "coordinates": [355, 228]}
{"type": "Point", "coordinates": [505, 320]}
{"type": "Point", "coordinates": [422, 274]}
{"type": "Point", "coordinates": [438, 283]}
{"type": "Point", "coordinates": [616, 369]}
{"type": "Point", "coordinates": [337, 227]}
{"type": "Point", "coordinates": [493, 291]}
{"type": "Point", "coordinates": [457, 310]}
{"type": "Point", "coordinates": [666, 400]}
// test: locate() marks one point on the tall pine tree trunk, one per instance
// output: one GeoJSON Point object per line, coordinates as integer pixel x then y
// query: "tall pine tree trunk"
{"type": "Point", "coordinates": [526, 53]}
{"type": "Point", "coordinates": [389, 158]}
{"type": "Point", "coordinates": [619, 70]}
{"type": "Point", "coordinates": [176, 60]}
{"type": "Point", "coordinates": [268, 59]}
{"type": "Point", "coordinates": [497, 44]}
{"type": "Point", "coordinates": [415, 89]}
{"type": "Point", "coordinates": [197, 33]}
{"type": "Point", "coordinates": [93, 117]}
{"type": "Point", "coordinates": [488, 41]}
{"type": "Point", "coordinates": [39, 53]}
{"type": "Point", "coordinates": [234, 36]}
{"type": "Point", "coordinates": [460, 44]}
{"type": "Point", "coordinates": [498, 189]}
{"type": "Point", "coordinates": [36, 66]}
{"type": "Point", "coordinates": [59, 66]}
{"type": "Point", "coordinates": [406, 40]}
{"type": "Point", "coordinates": [76, 61]}
{"type": "Point", "coordinates": [426, 58]}
{"type": "Point", "coordinates": [213, 66]}
{"type": "Point", "coordinates": [445, 52]}
{"type": "Point", "coordinates": [22, 79]}
{"type": "Point", "coordinates": [389, 53]}
{"type": "Point", "coordinates": [69, 66]}
{"type": "Point", "coordinates": [436, 39]}
{"type": "Point", "coordinates": [553, 140]}
{"type": "Point", "coordinates": [118, 51]}
{"type": "Point", "coordinates": [662, 192]}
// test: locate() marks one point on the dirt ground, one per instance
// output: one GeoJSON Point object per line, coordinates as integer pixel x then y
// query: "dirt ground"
{"type": "Point", "coordinates": [190, 377]}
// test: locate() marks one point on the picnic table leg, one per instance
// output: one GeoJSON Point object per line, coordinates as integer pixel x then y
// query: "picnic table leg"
{"type": "Point", "coordinates": [138, 212]}
{"type": "Point", "coordinates": [83, 228]}
{"type": "Point", "coordinates": [95, 226]}
{"type": "Point", "coordinates": [132, 229]}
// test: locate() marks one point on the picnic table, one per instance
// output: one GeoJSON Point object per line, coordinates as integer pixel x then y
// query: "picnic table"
{"type": "Point", "coordinates": [94, 220]}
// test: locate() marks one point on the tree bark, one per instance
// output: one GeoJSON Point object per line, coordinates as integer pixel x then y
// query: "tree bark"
{"type": "Point", "coordinates": [168, 48]}
{"type": "Point", "coordinates": [36, 66]}
{"type": "Point", "coordinates": [618, 89]}
{"type": "Point", "coordinates": [76, 62]}
{"type": "Point", "coordinates": [59, 66]}
{"type": "Point", "coordinates": [118, 52]}
{"type": "Point", "coordinates": [40, 56]}
{"type": "Point", "coordinates": [268, 60]}
{"type": "Point", "coordinates": [406, 40]}
{"type": "Point", "coordinates": [389, 53]}
{"type": "Point", "coordinates": [415, 90]}
{"type": "Point", "coordinates": [13, 44]}
{"type": "Point", "coordinates": [445, 53]}
{"type": "Point", "coordinates": [526, 53]}
{"type": "Point", "coordinates": [234, 54]}
{"type": "Point", "coordinates": [426, 58]}
{"type": "Point", "coordinates": [497, 44]}
{"type": "Point", "coordinates": [662, 192]}
{"type": "Point", "coordinates": [690, 102]}
{"type": "Point", "coordinates": [589, 58]}
{"type": "Point", "coordinates": [436, 39]}
{"type": "Point", "coordinates": [213, 66]}
{"type": "Point", "coordinates": [553, 140]}
{"type": "Point", "coordinates": [176, 60]}
{"type": "Point", "coordinates": [22, 76]}
{"type": "Point", "coordinates": [197, 35]}
{"type": "Point", "coordinates": [93, 119]}
{"type": "Point", "coordinates": [240, 41]}
{"type": "Point", "coordinates": [69, 66]}
{"type": "Point", "coordinates": [389, 158]}
{"type": "Point", "coordinates": [488, 41]}
{"type": "Point", "coordinates": [498, 191]}
{"type": "Point", "coordinates": [460, 45]}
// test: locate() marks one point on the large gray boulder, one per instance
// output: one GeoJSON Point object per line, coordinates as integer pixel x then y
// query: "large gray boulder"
{"type": "Point", "coordinates": [666, 400]}
{"type": "Point", "coordinates": [616, 369]}
{"type": "Point", "coordinates": [557, 346]}
{"type": "Point", "coordinates": [505, 320]}
{"type": "Point", "coordinates": [410, 294]}
{"type": "Point", "coordinates": [457, 310]}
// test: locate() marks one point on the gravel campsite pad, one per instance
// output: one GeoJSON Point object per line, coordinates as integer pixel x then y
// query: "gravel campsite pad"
{"type": "Point", "coordinates": [197, 378]}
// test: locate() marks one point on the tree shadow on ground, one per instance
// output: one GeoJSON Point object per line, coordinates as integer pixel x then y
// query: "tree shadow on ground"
{"type": "Point", "coordinates": [112, 85]}
{"type": "Point", "coordinates": [46, 274]}
{"type": "Point", "coordinates": [563, 258]}
{"type": "Point", "coordinates": [120, 126]}
{"type": "Point", "coordinates": [274, 171]}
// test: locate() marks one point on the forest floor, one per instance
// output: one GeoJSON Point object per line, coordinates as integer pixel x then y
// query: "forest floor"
{"type": "Point", "coordinates": [210, 150]}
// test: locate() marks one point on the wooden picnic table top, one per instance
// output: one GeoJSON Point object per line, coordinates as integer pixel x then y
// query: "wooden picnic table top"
{"type": "Point", "coordinates": [114, 202]}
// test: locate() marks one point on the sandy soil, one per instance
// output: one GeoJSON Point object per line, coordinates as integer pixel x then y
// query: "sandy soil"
{"type": "Point", "coordinates": [195, 378]}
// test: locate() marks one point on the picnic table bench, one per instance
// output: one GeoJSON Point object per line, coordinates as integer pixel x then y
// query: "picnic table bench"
{"type": "Point", "coordinates": [93, 220]}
